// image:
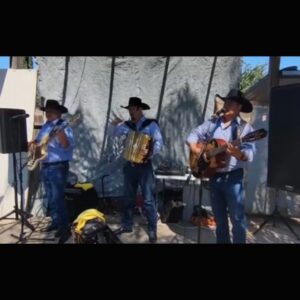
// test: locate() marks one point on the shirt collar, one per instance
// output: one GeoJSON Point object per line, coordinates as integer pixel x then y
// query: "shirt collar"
{"type": "Point", "coordinates": [53, 122]}
{"type": "Point", "coordinates": [140, 122]}
{"type": "Point", "coordinates": [237, 120]}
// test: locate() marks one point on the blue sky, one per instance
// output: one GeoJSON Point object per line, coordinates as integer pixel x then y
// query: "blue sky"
{"type": "Point", "coordinates": [286, 61]}
{"type": "Point", "coordinates": [4, 62]}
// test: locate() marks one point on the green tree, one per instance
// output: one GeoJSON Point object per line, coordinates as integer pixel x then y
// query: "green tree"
{"type": "Point", "coordinates": [251, 75]}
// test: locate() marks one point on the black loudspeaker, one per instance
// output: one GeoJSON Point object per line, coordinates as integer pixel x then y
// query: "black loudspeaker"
{"type": "Point", "coordinates": [13, 130]}
{"type": "Point", "coordinates": [284, 138]}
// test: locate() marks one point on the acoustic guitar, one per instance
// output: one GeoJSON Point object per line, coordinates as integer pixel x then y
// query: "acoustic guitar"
{"type": "Point", "coordinates": [39, 151]}
{"type": "Point", "coordinates": [213, 156]}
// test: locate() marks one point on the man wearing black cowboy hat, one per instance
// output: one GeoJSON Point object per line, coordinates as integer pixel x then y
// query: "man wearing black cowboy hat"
{"type": "Point", "coordinates": [226, 186]}
{"type": "Point", "coordinates": [139, 174]}
{"type": "Point", "coordinates": [57, 138]}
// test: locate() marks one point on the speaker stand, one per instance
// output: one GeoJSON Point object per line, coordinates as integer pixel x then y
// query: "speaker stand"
{"type": "Point", "coordinates": [199, 212]}
{"type": "Point", "coordinates": [22, 238]}
{"type": "Point", "coordinates": [23, 215]}
{"type": "Point", "coordinates": [276, 215]}
{"type": "Point", "coordinates": [16, 209]}
{"type": "Point", "coordinates": [204, 183]}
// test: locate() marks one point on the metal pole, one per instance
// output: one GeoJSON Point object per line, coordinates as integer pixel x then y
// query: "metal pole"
{"type": "Point", "coordinates": [162, 91]}
{"type": "Point", "coordinates": [200, 206]}
{"type": "Point", "coordinates": [202, 120]}
{"type": "Point", "coordinates": [15, 185]}
{"type": "Point", "coordinates": [111, 87]}
{"type": "Point", "coordinates": [208, 88]}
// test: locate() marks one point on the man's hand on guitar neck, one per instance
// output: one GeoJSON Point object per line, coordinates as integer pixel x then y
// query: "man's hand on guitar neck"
{"type": "Point", "coordinates": [236, 152]}
{"type": "Point", "coordinates": [61, 136]}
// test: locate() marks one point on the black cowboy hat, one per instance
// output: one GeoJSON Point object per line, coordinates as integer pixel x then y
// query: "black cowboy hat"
{"type": "Point", "coordinates": [135, 101]}
{"type": "Point", "coordinates": [238, 97]}
{"type": "Point", "coordinates": [54, 105]}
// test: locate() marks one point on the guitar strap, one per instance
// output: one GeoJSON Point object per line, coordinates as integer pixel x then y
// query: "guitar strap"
{"type": "Point", "coordinates": [238, 129]}
{"type": "Point", "coordinates": [59, 122]}
{"type": "Point", "coordinates": [235, 133]}
{"type": "Point", "coordinates": [212, 129]}
{"type": "Point", "coordinates": [51, 132]}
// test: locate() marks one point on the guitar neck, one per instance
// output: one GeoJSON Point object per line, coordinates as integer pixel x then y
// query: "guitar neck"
{"type": "Point", "coordinates": [48, 137]}
{"type": "Point", "coordinates": [59, 128]}
{"type": "Point", "coordinates": [250, 137]}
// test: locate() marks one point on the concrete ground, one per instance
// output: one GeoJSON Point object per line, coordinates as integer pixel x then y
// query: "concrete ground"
{"type": "Point", "coordinates": [177, 233]}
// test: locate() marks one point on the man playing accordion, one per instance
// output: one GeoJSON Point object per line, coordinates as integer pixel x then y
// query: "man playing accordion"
{"type": "Point", "coordinates": [143, 141]}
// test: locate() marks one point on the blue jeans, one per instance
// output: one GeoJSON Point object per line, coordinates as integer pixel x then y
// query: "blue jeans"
{"type": "Point", "coordinates": [54, 177]}
{"type": "Point", "coordinates": [227, 196]}
{"type": "Point", "coordinates": [135, 175]}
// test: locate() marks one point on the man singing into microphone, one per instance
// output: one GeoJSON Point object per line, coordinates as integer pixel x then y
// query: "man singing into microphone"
{"type": "Point", "coordinates": [226, 185]}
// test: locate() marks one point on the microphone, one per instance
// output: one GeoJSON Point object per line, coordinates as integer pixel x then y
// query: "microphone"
{"type": "Point", "coordinates": [220, 112]}
{"type": "Point", "coordinates": [21, 116]}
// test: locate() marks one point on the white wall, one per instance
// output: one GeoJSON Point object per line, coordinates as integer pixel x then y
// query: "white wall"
{"type": "Point", "coordinates": [18, 91]}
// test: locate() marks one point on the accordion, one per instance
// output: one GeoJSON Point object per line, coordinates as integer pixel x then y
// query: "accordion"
{"type": "Point", "coordinates": [136, 146]}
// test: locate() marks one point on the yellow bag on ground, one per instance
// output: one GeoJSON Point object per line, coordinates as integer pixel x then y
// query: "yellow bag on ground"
{"type": "Point", "coordinates": [87, 215]}
{"type": "Point", "coordinates": [85, 186]}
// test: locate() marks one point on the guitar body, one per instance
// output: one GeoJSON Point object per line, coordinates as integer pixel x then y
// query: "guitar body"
{"type": "Point", "coordinates": [213, 156]}
{"type": "Point", "coordinates": [208, 166]}
{"type": "Point", "coordinates": [205, 166]}
{"type": "Point", "coordinates": [193, 160]}
{"type": "Point", "coordinates": [39, 152]}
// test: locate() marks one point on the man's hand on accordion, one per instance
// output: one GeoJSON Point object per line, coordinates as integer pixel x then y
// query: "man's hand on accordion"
{"type": "Point", "coordinates": [146, 154]}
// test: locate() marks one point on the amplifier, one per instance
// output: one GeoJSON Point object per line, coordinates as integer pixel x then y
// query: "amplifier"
{"type": "Point", "coordinates": [73, 191]}
{"type": "Point", "coordinates": [78, 200]}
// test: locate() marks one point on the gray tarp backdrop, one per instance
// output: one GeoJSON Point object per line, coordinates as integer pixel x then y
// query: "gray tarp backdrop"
{"type": "Point", "coordinates": [97, 86]}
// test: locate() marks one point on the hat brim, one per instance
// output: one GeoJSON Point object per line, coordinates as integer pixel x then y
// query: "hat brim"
{"type": "Point", "coordinates": [247, 106]}
{"type": "Point", "coordinates": [144, 106]}
{"type": "Point", "coordinates": [62, 109]}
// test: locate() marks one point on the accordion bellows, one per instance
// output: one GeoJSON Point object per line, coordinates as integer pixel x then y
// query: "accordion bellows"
{"type": "Point", "coordinates": [135, 145]}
